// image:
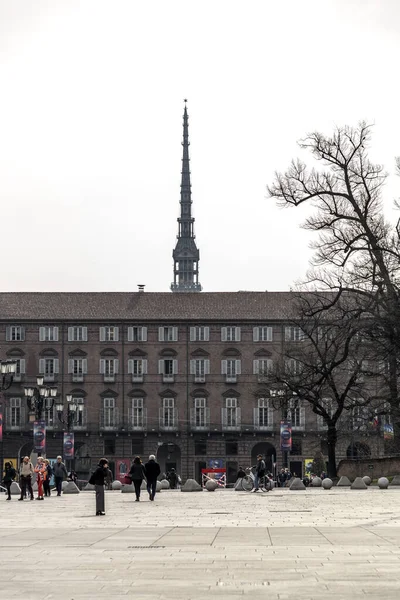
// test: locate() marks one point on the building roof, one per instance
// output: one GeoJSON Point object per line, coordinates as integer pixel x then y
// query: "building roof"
{"type": "Point", "coordinates": [144, 306]}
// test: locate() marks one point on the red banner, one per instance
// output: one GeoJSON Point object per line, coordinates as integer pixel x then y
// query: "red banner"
{"type": "Point", "coordinates": [39, 437]}
{"type": "Point", "coordinates": [286, 436]}
{"type": "Point", "coordinates": [69, 445]}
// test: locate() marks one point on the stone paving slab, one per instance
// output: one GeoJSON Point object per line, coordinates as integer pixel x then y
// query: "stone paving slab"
{"type": "Point", "coordinates": [282, 546]}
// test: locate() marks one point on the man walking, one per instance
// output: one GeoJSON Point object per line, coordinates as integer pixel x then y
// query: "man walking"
{"type": "Point", "coordinates": [26, 471]}
{"type": "Point", "coordinates": [260, 472]}
{"type": "Point", "coordinates": [153, 470]}
{"type": "Point", "coordinates": [60, 472]}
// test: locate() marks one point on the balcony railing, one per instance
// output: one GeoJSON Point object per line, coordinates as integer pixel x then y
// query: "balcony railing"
{"type": "Point", "coordinates": [15, 418]}
{"type": "Point", "coordinates": [137, 419]}
{"type": "Point", "coordinates": [168, 378]}
{"type": "Point", "coordinates": [199, 378]}
{"type": "Point", "coordinates": [231, 419]}
{"type": "Point", "coordinates": [168, 419]}
{"type": "Point", "coordinates": [108, 377]}
{"type": "Point", "coordinates": [137, 378]}
{"type": "Point", "coordinates": [77, 377]}
{"type": "Point", "coordinates": [109, 418]}
{"type": "Point", "coordinates": [262, 421]}
{"type": "Point", "coordinates": [231, 378]}
{"type": "Point", "coordinates": [200, 419]}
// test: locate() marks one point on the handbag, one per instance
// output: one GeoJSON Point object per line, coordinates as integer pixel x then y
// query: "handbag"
{"type": "Point", "coordinates": [127, 479]}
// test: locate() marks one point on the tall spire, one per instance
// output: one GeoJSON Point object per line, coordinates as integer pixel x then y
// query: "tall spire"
{"type": "Point", "coordinates": [186, 255]}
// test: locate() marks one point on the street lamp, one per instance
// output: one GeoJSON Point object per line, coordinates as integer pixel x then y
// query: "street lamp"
{"type": "Point", "coordinates": [280, 400]}
{"type": "Point", "coordinates": [8, 369]}
{"type": "Point", "coordinates": [73, 411]}
{"type": "Point", "coordinates": [37, 397]}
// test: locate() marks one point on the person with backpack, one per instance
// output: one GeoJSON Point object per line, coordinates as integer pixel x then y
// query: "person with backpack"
{"type": "Point", "coordinates": [98, 479]}
{"type": "Point", "coordinates": [260, 472]}
{"type": "Point", "coordinates": [9, 476]}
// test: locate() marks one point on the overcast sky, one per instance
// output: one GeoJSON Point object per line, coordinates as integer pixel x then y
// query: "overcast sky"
{"type": "Point", "coordinates": [91, 107]}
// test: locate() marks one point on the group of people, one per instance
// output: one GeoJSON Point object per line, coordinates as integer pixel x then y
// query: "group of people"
{"type": "Point", "coordinates": [42, 473]}
{"type": "Point", "coordinates": [264, 479]}
{"type": "Point", "coordinates": [138, 472]}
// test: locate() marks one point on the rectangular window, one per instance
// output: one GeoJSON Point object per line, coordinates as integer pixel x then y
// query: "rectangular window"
{"type": "Point", "coordinates": [136, 416]}
{"type": "Point", "coordinates": [48, 334]}
{"type": "Point", "coordinates": [199, 367]}
{"type": "Point", "coordinates": [77, 334]}
{"type": "Point", "coordinates": [296, 414]}
{"type": "Point", "coordinates": [109, 447]}
{"type": "Point", "coordinates": [109, 334]}
{"type": "Point", "coordinates": [168, 367]}
{"type": "Point", "coordinates": [19, 369]}
{"type": "Point", "coordinates": [109, 413]}
{"type": "Point", "coordinates": [262, 334]}
{"type": "Point", "coordinates": [230, 334]}
{"type": "Point", "coordinates": [137, 334]}
{"type": "Point", "coordinates": [168, 413]}
{"type": "Point", "coordinates": [137, 447]}
{"type": "Point", "coordinates": [137, 367]}
{"type": "Point", "coordinates": [15, 419]}
{"type": "Point", "coordinates": [294, 334]}
{"type": "Point", "coordinates": [231, 368]}
{"type": "Point", "coordinates": [200, 448]}
{"type": "Point", "coordinates": [80, 418]}
{"type": "Point", "coordinates": [49, 367]}
{"type": "Point", "coordinates": [263, 412]}
{"type": "Point", "coordinates": [15, 333]}
{"type": "Point", "coordinates": [292, 367]}
{"type": "Point", "coordinates": [263, 368]}
{"type": "Point", "coordinates": [231, 412]}
{"type": "Point", "coordinates": [168, 334]}
{"type": "Point", "coordinates": [199, 334]}
{"type": "Point", "coordinates": [200, 417]}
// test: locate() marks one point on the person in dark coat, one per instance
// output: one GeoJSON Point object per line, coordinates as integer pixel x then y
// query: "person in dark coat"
{"type": "Point", "coordinates": [98, 479]}
{"type": "Point", "coordinates": [9, 476]}
{"type": "Point", "coordinates": [172, 478]}
{"type": "Point", "coordinates": [153, 470]}
{"type": "Point", "coordinates": [137, 474]}
{"type": "Point", "coordinates": [241, 473]}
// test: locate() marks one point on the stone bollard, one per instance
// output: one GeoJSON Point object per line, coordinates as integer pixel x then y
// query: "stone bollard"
{"type": "Point", "coordinates": [164, 484]}
{"type": "Point", "coordinates": [383, 483]}
{"type": "Point", "coordinates": [191, 485]}
{"type": "Point", "coordinates": [395, 481]}
{"type": "Point", "coordinates": [159, 487]}
{"type": "Point", "coordinates": [316, 482]}
{"type": "Point", "coordinates": [358, 484]}
{"type": "Point", "coordinates": [71, 488]}
{"type": "Point", "coordinates": [15, 490]}
{"type": "Point", "coordinates": [367, 479]}
{"type": "Point", "coordinates": [297, 484]}
{"type": "Point", "coordinates": [116, 485]}
{"type": "Point", "coordinates": [211, 485]}
{"type": "Point", "coordinates": [88, 488]}
{"type": "Point", "coordinates": [128, 488]}
{"type": "Point", "coordinates": [327, 483]}
{"type": "Point", "coordinates": [344, 482]}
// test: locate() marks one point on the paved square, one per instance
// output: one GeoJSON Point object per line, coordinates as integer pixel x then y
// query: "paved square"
{"type": "Point", "coordinates": [279, 545]}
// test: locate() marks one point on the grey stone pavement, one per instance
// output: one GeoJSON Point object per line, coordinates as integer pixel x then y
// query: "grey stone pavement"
{"type": "Point", "coordinates": [278, 545]}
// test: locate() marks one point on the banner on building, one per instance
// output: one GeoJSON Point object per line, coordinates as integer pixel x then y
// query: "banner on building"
{"type": "Point", "coordinates": [39, 437]}
{"type": "Point", "coordinates": [68, 446]}
{"type": "Point", "coordinates": [122, 468]}
{"type": "Point", "coordinates": [286, 436]}
{"type": "Point", "coordinates": [1, 426]}
{"type": "Point", "coordinates": [388, 432]}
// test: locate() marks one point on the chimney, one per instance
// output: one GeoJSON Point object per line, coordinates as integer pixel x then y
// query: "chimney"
{"type": "Point", "coordinates": [141, 287]}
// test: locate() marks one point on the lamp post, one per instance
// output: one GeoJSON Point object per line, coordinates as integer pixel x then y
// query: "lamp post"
{"type": "Point", "coordinates": [8, 369]}
{"type": "Point", "coordinates": [280, 400]}
{"type": "Point", "coordinates": [37, 398]}
{"type": "Point", "coordinates": [72, 414]}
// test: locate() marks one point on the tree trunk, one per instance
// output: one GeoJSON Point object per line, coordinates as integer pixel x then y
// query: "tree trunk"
{"type": "Point", "coordinates": [332, 439]}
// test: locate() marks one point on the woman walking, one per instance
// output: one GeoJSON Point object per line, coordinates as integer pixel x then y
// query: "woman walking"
{"type": "Point", "coordinates": [98, 479]}
{"type": "Point", "coordinates": [137, 474]}
{"type": "Point", "coordinates": [46, 480]}
{"type": "Point", "coordinates": [41, 473]}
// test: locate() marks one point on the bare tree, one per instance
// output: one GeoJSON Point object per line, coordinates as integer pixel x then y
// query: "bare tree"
{"type": "Point", "coordinates": [357, 251]}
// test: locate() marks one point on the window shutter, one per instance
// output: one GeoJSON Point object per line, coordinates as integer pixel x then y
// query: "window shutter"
{"type": "Point", "coordinates": [302, 417]}
{"type": "Point", "coordinates": [130, 366]}
{"type": "Point", "coordinates": [206, 366]}
{"type": "Point", "coordinates": [41, 334]}
{"type": "Point", "coordinates": [70, 365]}
{"type": "Point", "coordinates": [22, 334]}
{"type": "Point", "coordinates": [85, 334]}
{"type": "Point", "coordinates": [41, 366]}
{"type": "Point", "coordinates": [161, 366]}
{"type": "Point", "coordinates": [287, 334]}
{"type": "Point", "coordinates": [256, 367]}
{"type": "Point", "coordinates": [206, 334]}
{"type": "Point", "coordinates": [130, 334]}
{"type": "Point", "coordinates": [161, 336]}
{"type": "Point", "coordinates": [84, 366]}
{"type": "Point", "coordinates": [116, 334]}
{"type": "Point", "coordinates": [144, 366]}
{"type": "Point", "coordinates": [270, 416]}
{"type": "Point", "coordinates": [237, 334]}
{"type": "Point", "coordinates": [8, 333]}
{"type": "Point", "coordinates": [174, 334]}
{"type": "Point", "coordinates": [193, 334]}
{"type": "Point", "coordinates": [269, 334]}
{"type": "Point", "coordinates": [70, 334]}
{"type": "Point", "coordinates": [224, 367]}
{"type": "Point", "coordinates": [56, 365]}
{"type": "Point", "coordinates": [175, 366]}
{"type": "Point", "coordinates": [223, 334]}
{"type": "Point", "coordinates": [256, 334]}
{"type": "Point", "coordinates": [193, 367]}
{"type": "Point", "coordinates": [102, 367]}
{"type": "Point", "coordinates": [22, 366]}
{"type": "Point", "coordinates": [144, 334]}
{"type": "Point", "coordinates": [102, 334]}
{"type": "Point", "coordinates": [55, 334]}
{"type": "Point", "coordinates": [238, 366]}
{"type": "Point", "coordinates": [116, 365]}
